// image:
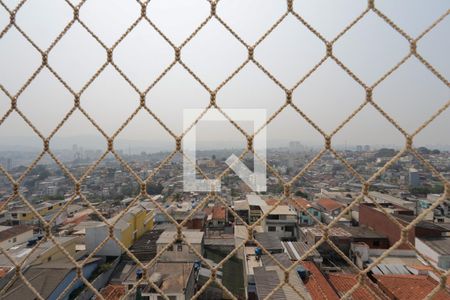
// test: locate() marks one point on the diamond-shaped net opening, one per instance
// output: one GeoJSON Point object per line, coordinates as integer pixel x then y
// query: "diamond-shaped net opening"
{"type": "Point", "coordinates": [137, 236]}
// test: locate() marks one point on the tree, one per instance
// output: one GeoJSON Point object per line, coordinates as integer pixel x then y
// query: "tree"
{"type": "Point", "coordinates": [436, 151]}
{"type": "Point", "coordinates": [302, 194]}
{"type": "Point", "coordinates": [154, 188]}
{"type": "Point", "coordinates": [420, 190]}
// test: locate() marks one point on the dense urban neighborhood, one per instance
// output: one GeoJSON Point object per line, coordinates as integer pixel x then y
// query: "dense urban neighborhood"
{"type": "Point", "coordinates": [308, 241]}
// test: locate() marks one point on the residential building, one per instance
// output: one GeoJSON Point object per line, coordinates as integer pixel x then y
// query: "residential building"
{"type": "Point", "coordinates": [436, 250]}
{"type": "Point", "coordinates": [306, 211]}
{"type": "Point", "coordinates": [330, 206]}
{"type": "Point", "coordinates": [180, 251]}
{"type": "Point", "coordinates": [50, 279]}
{"type": "Point", "coordinates": [129, 228]}
{"type": "Point", "coordinates": [409, 287]}
{"type": "Point", "coordinates": [23, 215]}
{"type": "Point", "coordinates": [376, 219]}
{"type": "Point", "coordinates": [263, 275]}
{"type": "Point", "coordinates": [296, 250]}
{"type": "Point", "coordinates": [218, 217]}
{"type": "Point", "coordinates": [242, 209]}
{"type": "Point", "coordinates": [282, 220]}
{"type": "Point", "coordinates": [340, 237]}
{"type": "Point", "coordinates": [256, 205]}
{"type": "Point", "coordinates": [386, 198]}
{"type": "Point", "coordinates": [316, 284]}
{"type": "Point", "coordinates": [269, 241]}
{"type": "Point", "coordinates": [269, 275]}
{"type": "Point", "coordinates": [11, 236]}
{"type": "Point", "coordinates": [175, 279]}
{"type": "Point", "coordinates": [363, 234]}
{"type": "Point", "coordinates": [342, 283]}
{"type": "Point", "coordinates": [44, 252]}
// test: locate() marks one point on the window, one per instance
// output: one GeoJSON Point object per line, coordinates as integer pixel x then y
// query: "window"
{"type": "Point", "coordinates": [170, 248]}
{"type": "Point", "coordinates": [179, 247]}
{"type": "Point", "coordinates": [305, 221]}
{"type": "Point", "coordinates": [316, 213]}
{"type": "Point", "coordinates": [376, 243]}
{"type": "Point", "coordinates": [24, 215]}
{"type": "Point", "coordinates": [14, 215]}
{"type": "Point", "coordinates": [272, 228]}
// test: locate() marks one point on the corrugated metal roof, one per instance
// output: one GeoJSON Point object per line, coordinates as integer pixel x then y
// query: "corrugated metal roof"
{"type": "Point", "coordinates": [295, 250]}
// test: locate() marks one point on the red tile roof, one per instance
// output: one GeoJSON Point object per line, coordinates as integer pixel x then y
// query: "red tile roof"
{"type": "Point", "coordinates": [317, 286]}
{"type": "Point", "coordinates": [410, 287]}
{"type": "Point", "coordinates": [303, 203]}
{"type": "Point", "coordinates": [113, 292]}
{"type": "Point", "coordinates": [219, 213]}
{"type": "Point", "coordinates": [344, 282]}
{"type": "Point", "coordinates": [329, 204]}
{"type": "Point", "coordinates": [271, 202]}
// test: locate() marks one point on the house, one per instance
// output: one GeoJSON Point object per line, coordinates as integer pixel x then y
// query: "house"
{"type": "Point", "coordinates": [296, 250]}
{"type": "Point", "coordinates": [23, 215]}
{"type": "Point", "coordinates": [218, 217]}
{"type": "Point", "coordinates": [337, 194]}
{"type": "Point", "coordinates": [306, 218]}
{"type": "Point", "coordinates": [11, 236]}
{"type": "Point", "coordinates": [281, 220]}
{"type": "Point", "coordinates": [316, 284]}
{"type": "Point", "coordinates": [241, 236]}
{"type": "Point", "coordinates": [269, 241]}
{"type": "Point", "coordinates": [175, 279]}
{"type": "Point", "coordinates": [409, 287]}
{"type": "Point", "coordinates": [31, 254]}
{"type": "Point", "coordinates": [263, 275]}
{"type": "Point", "coordinates": [373, 217]}
{"type": "Point", "coordinates": [180, 212]}
{"type": "Point", "coordinates": [50, 279]}
{"type": "Point", "coordinates": [242, 209]}
{"type": "Point", "coordinates": [144, 248]}
{"type": "Point", "coordinates": [386, 198]}
{"type": "Point", "coordinates": [363, 234]}
{"type": "Point", "coordinates": [255, 204]}
{"type": "Point", "coordinates": [180, 250]}
{"type": "Point", "coordinates": [330, 206]}
{"type": "Point", "coordinates": [340, 237]}
{"type": "Point", "coordinates": [435, 249]}
{"type": "Point", "coordinates": [129, 228]}
{"type": "Point", "coordinates": [342, 283]}
{"type": "Point", "coordinates": [270, 275]}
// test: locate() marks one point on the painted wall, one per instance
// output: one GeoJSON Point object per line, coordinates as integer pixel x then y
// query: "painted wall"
{"type": "Point", "coordinates": [18, 239]}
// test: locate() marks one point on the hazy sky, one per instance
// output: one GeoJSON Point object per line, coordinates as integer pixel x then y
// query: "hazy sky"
{"type": "Point", "coordinates": [410, 95]}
